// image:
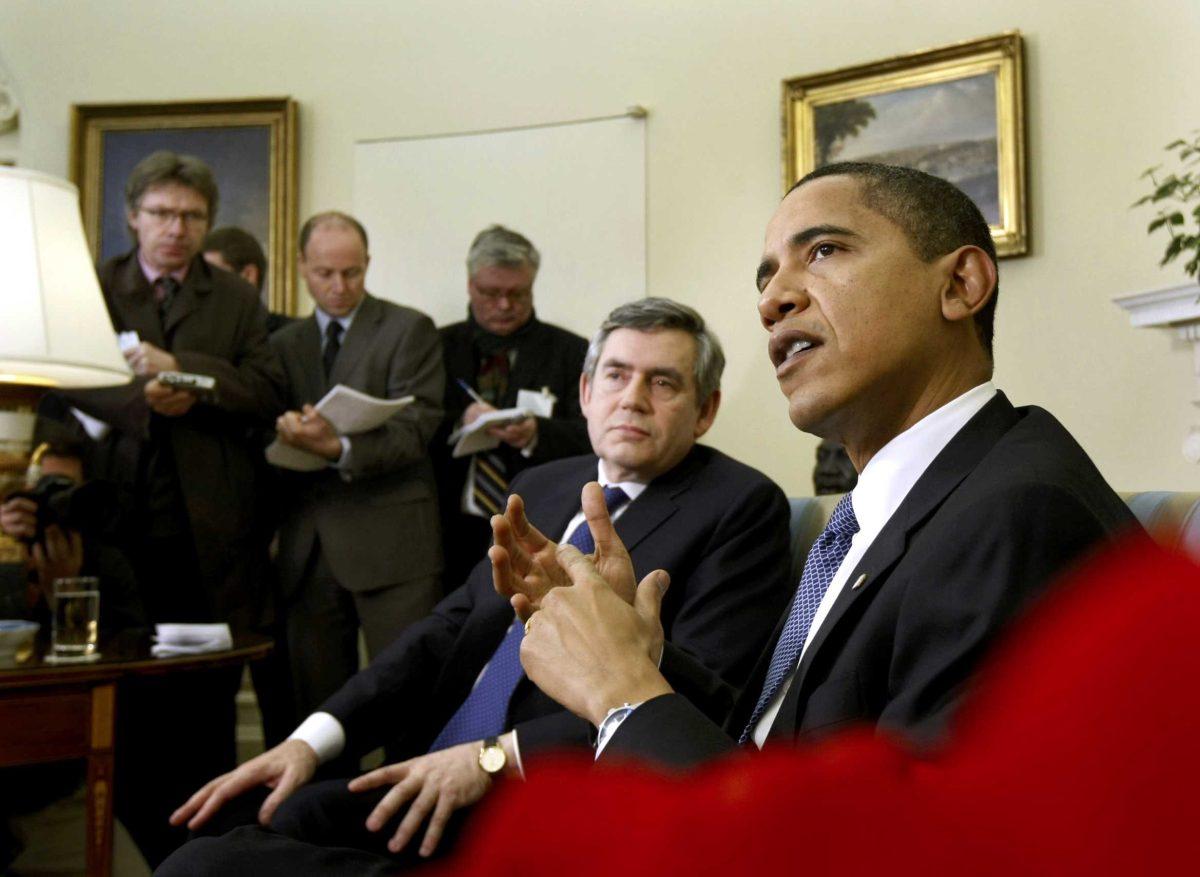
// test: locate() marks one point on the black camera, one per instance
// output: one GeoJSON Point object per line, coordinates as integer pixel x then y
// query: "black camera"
{"type": "Point", "coordinates": [65, 502]}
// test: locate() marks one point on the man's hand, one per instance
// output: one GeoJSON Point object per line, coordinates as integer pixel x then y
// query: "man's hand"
{"type": "Point", "coordinates": [308, 430]}
{"type": "Point", "coordinates": [147, 361]}
{"type": "Point", "coordinates": [18, 517]}
{"type": "Point", "coordinates": [58, 556]}
{"type": "Point", "coordinates": [518, 434]}
{"type": "Point", "coordinates": [525, 564]}
{"type": "Point", "coordinates": [168, 401]}
{"type": "Point", "coordinates": [590, 650]}
{"type": "Point", "coordinates": [437, 784]}
{"type": "Point", "coordinates": [476, 410]}
{"type": "Point", "coordinates": [285, 768]}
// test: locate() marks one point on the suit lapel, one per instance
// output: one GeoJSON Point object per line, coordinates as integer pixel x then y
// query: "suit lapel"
{"type": "Point", "coordinates": [357, 340]}
{"type": "Point", "coordinates": [134, 300]}
{"type": "Point", "coordinates": [956, 461]}
{"type": "Point", "coordinates": [308, 357]}
{"type": "Point", "coordinates": [658, 502]}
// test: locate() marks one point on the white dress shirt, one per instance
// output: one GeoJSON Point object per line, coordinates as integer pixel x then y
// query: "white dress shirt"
{"type": "Point", "coordinates": [325, 734]}
{"type": "Point", "coordinates": [882, 486]}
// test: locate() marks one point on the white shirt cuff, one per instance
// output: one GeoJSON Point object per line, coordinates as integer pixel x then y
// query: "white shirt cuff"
{"type": "Point", "coordinates": [344, 460]}
{"type": "Point", "coordinates": [516, 745]}
{"type": "Point", "coordinates": [324, 734]}
{"type": "Point", "coordinates": [611, 722]}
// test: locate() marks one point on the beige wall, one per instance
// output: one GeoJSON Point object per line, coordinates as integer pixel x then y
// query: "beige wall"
{"type": "Point", "coordinates": [1108, 85]}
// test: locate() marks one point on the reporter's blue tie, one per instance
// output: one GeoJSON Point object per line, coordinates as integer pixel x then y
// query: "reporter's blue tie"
{"type": "Point", "coordinates": [821, 565]}
{"type": "Point", "coordinates": [484, 711]}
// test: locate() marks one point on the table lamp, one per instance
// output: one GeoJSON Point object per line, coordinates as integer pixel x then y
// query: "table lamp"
{"type": "Point", "coordinates": [54, 328]}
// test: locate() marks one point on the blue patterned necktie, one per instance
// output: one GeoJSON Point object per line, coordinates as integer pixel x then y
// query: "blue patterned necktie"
{"type": "Point", "coordinates": [824, 559]}
{"type": "Point", "coordinates": [483, 713]}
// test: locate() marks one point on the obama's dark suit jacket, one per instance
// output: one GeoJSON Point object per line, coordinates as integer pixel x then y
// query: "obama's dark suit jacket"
{"type": "Point", "coordinates": [1008, 504]}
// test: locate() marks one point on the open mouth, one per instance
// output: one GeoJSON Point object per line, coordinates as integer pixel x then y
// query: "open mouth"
{"type": "Point", "coordinates": [790, 346]}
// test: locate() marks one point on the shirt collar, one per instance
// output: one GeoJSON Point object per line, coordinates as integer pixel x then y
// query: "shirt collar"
{"type": "Point", "coordinates": [153, 275]}
{"type": "Point", "coordinates": [324, 319]}
{"type": "Point", "coordinates": [633, 489]}
{"type": "Point", "coordinates": [892, 472]}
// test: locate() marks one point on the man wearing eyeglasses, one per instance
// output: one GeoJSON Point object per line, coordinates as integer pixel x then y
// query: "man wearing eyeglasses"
{"type": "Point", "coordinates": [500, 350]}
{"type": "Point", "coordinates": [187, 463]}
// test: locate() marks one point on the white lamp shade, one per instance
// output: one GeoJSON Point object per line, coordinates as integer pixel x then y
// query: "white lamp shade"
{"type": "Point", "coordinates": [54, 328]}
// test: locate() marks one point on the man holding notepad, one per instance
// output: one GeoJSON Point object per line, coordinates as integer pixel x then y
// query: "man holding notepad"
{"type": "Point", "coordinates": [500, 358]}
{"type": "Point", "coordinates": [358, 543]}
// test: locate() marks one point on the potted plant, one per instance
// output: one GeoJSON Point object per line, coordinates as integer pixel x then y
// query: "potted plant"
{"type": "Point", "coordinates": [1175, 194]}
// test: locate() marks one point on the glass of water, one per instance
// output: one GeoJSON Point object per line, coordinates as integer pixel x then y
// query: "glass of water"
{"type": "Point", "coordinates": [76, 626]}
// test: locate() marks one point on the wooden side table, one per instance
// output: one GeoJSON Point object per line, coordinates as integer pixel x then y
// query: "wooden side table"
{"type": "Point", "coordinates": [56, 712]}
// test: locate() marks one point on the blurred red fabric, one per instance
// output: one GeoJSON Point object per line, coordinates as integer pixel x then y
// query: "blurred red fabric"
{"type": "Point", "coordinates": [1076, 753]}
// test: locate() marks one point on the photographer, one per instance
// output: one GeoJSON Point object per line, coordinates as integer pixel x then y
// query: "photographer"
{"type": "Point", "coordinates": [66, 524]}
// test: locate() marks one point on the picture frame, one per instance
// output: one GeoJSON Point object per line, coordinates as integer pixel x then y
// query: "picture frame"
{"type": "Point", "coordinates": [956, 111]}
{"type": "Point", "coordinates": [250, 144]}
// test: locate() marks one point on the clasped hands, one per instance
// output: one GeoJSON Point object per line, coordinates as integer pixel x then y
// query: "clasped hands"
{"type": "Point", "coordinates": [594, 635]}
{"type": "Point", "coordinates": [147, 361]}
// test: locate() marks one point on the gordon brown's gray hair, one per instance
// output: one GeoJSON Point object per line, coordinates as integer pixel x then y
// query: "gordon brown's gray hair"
{"type": "Point", "coordinates": [651, 314]}
{"type": "Point", "coordinates": [497, 245]}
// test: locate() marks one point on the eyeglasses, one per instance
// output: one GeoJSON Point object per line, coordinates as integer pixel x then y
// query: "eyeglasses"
{"type": "Point", "coordinates": [162, 216]}
{"type": "Point", "coordinates": [515, 296]}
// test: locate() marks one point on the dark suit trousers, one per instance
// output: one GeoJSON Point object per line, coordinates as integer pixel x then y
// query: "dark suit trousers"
{"type": "Point", "coordinates": [320, 829]}
{"type": "Point", "coordinates": [323, 620]}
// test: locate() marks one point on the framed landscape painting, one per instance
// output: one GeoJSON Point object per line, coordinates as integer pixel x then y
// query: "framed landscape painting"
{"type": "Point", "coordinates": [249, 144]}
{"type": "Point", "coordinates": [956, 112]}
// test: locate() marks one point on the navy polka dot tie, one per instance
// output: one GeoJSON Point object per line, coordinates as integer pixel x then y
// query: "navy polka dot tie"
{"type": "Point", "coordinates": [484, 711]}
{"type": "Point", "coordinates": [824, 559]}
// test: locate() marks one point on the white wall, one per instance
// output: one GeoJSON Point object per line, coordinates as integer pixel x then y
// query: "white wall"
{"type": "Point", "coordinates": [1108, 86]}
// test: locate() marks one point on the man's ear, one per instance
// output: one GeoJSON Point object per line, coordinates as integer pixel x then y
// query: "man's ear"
{"type": "Point", "coordinates": [585, 392]}
{"type": "Point", "coordinates": [708, 413]}
{"type": "Point", "coordinates": [249, 273]}
{"type": "Point", "coordinates": [971, 283]}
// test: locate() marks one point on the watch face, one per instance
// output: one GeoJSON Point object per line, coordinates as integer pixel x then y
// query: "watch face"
{"type": "Point", "coordinates": [491, 758]}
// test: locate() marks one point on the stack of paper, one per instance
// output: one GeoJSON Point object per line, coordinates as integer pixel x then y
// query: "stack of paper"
{"type": "Point", "coordinates": [349, 412]}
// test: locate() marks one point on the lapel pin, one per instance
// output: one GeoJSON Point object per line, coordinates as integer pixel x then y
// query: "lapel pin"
{"type": "Point", "coordinates": [859, 582]}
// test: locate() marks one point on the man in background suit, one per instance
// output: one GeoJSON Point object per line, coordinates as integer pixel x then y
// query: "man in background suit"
{"type": "Point", "coordinates": [499, 350]}
{"type": "Point", "coordinates": [235, 249]}
{"type": "Point", "coordinates": [358, 543]}
{"type": "Point", "coordinates": [649, 390]}
{"type": "Point", "coordinates": [878, 288]}
{"type": "Point", "coordinates": [187, 465]}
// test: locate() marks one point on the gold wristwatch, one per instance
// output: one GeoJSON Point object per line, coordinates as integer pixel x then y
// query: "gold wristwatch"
{"type": "Point", "coordinates": [492, 757]}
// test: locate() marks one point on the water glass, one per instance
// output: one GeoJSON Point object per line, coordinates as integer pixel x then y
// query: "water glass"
{"type": "Point", "coordinates": [76, 625]}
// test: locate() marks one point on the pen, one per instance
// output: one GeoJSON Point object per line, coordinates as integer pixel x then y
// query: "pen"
{"type": "Point", "coordinates": [470, 391]}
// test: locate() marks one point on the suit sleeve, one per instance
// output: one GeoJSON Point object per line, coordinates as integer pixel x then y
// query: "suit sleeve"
{"type": "Point", "coordinates": [415, 369]}
{"type": "Point", "coordinates": [251, 383]}
{"type": "Point", "coordinates": [668, 731]}
{"type": "Point", "coordinates": [402, 677]}
{"type": "Point", "coordinates": [733, 597]}
{"type": "Point", "coordinates": [1022, 539]}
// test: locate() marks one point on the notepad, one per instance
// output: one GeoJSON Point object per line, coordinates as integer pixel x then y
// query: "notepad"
{"type": "Point", "coordinates": [350, 412]}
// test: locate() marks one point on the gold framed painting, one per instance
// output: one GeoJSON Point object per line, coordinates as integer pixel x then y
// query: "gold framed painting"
{"type": "Point", "coordinates": [957, 112]}
{"type": "Point", "coordinates": [250, 145]}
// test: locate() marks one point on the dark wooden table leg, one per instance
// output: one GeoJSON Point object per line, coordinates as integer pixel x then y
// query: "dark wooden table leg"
{"type": "Point", "coordinates": [100, 781]}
